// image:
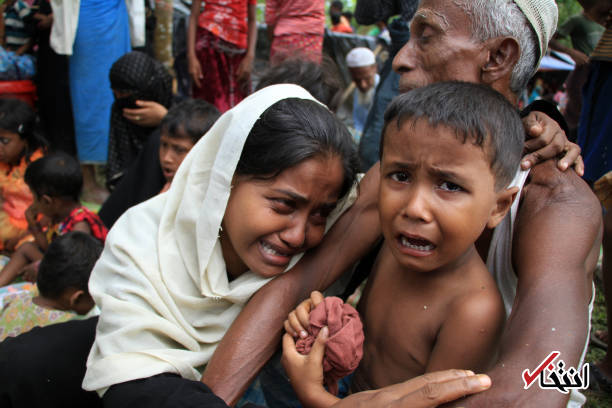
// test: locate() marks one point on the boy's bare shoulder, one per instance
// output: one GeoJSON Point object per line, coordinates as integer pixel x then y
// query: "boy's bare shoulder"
{"type": "Point", "coordinates": [480, 301]}
{"type": "Point", "coordinates": [469, 335]}
{"type": "Point", "coordinates": [479, 306]}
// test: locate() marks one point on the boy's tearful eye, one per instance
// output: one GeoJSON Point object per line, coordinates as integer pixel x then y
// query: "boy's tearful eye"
{"type": "Point", "coordinates": [450, 186]}
{"type": "Point", "coordinates": [400, 176]}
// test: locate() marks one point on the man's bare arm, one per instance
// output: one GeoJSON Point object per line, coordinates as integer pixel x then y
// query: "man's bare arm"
{"type": "Point", "coordinates": [255, 334]}
{"type": "Point", "coordinates": [556, 244]}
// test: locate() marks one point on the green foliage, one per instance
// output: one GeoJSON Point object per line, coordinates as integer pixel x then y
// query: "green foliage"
{"type": "Point", "coordinates": [567, 8]}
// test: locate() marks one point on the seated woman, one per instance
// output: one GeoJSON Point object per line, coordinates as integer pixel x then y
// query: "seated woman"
{"type": "Point", "coordinates": [175, 272]}
{"type": "Point", "coordinates": [256, 192]}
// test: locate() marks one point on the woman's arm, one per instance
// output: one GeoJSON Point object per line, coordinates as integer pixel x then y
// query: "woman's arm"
{"type": "Point", "coordinates": [195, 70]}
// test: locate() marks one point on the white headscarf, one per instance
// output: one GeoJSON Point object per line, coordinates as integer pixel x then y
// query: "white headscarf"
{"type": "Point", "coordinates": [161, 281]}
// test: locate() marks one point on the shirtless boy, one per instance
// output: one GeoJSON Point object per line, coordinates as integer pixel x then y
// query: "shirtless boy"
{"type": "Point", "coordinates": [449, 151]}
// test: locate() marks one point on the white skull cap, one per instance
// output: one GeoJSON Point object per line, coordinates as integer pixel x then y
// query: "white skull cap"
{"type": "Point", "coordinates": [542, 15]}
{"type": "Point", "coordinates": [360, 57]}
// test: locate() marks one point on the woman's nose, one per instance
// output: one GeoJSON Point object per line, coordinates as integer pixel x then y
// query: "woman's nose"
{"type": "Point", "coordinates": [294, 235]}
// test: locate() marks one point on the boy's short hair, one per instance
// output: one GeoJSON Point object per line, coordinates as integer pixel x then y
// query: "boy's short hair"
{"type": "Point", "coordinates": [474, 111]}
{"type": "Point", "coordinates": [191, 118]}
{"type": "Point", "coordinates": [56, 175]}
{"type": "Point", "coordinates": [67, 264]}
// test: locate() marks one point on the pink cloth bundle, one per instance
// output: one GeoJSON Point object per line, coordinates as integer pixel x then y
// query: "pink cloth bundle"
{"type": "Point", "coordinates": [344, 347]}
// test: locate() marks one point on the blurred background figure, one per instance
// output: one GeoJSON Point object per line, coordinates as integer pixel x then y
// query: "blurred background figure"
{"type": "Point", "coordinates": [340, 23]}
{"type": "Point", "coordinates": [357, 100]}
{"type": "Point", "coordinates": [295, 25]}
{"type": "Point", "coordinates": [584, 34]}
{"type": "Point", "coordinates": [142, 88]}
{"type": "Point", "coordinates": [221, 43]}
{"type": "Point", "coordinates": [95, 34]}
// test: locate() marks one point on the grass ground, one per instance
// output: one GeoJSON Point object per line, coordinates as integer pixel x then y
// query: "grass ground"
{"type": "Point", "coordinates": [598, 322]}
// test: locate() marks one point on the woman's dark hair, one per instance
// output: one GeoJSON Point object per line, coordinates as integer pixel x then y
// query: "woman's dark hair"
{"type": "Point", "coordinates": [321, 80]}
{"type": "Point", "coordinates": [18, 117]}
{"type": "Point", "coordinates": [291, 131]}
{"type": "Point", "coordinates": [67, 264]}
{"type": "Point", "coordinates": [191, 118]}
{"type": "Point", "coordinates": [56, 175]}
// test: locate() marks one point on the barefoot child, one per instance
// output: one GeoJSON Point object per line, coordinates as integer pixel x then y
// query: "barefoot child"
{"type": "Point", "coordinates": [20, 144]}
{"type": "Point", "coordinates": [56, 182]}
{"type": "Point", "coordinates": [62, 287]}
{"type": "Point", "coordinates": [449, 151]}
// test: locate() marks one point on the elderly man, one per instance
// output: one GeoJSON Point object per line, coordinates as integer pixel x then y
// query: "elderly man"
{"type": "Point", "coordinates": [546, 251]}
{"type": "Point", "coordinates": [353, 111]}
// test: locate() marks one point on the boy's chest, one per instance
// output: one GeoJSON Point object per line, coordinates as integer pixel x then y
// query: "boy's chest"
{"type": "Point", "coordinates": [401, 325]}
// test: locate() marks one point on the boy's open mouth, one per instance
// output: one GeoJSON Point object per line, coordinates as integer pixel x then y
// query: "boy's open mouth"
{"type": "Point", "coordinates": [417, 244]}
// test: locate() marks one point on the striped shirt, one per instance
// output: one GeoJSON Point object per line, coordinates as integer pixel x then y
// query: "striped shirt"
{"type": "Point", "coordinates": [603, 51]}
{"type": "Point", "coordinates": [17, 34]}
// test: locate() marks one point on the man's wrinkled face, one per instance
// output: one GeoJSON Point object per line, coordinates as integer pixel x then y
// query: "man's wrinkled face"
{"type": "Point", "coordinates": [364, 77]}
{"type": "Point", "coordinates": [441, 48]}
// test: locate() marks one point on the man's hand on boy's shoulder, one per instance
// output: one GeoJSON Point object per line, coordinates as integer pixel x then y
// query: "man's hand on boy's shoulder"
{"type": "Point", "coordinates": [546, 140]}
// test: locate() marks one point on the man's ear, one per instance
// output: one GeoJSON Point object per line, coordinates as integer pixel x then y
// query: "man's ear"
{"type": "Point", "coordinates": [505, 198]}
{"type": "Point", "coordinates": [503, 56]}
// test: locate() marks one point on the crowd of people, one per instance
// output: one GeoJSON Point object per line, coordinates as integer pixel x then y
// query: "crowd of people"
{"type": "Point", "coordinates": [423, 236]}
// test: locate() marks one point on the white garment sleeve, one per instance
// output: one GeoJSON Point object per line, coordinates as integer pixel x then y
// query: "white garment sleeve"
{"type": "Point", "coordinates": [136, 15]}
{"type": "Point", "coordinates": [65, 21]}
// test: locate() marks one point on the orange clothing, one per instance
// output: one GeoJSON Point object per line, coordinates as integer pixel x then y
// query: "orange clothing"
{"type": "Point", "coordinates": [15, 197]}
{"type": "Point", "coordinates": [342, 28]}
{"type": "Point", "coordinates": [227, 19]}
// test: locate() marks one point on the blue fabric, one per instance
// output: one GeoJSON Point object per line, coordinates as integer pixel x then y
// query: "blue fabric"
{"type": "Point", "coordinates": [387, 89]}
{"type": "Point", "coordinates": [102, 37]}
{"type": "Point", "coordinates": [16, 67]}
{"type": "Point", "coordinates": [595, 127]}
{"type": "Point", "coordinates": [272, 388]}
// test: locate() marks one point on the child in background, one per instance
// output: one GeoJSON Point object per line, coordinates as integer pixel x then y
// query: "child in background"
{"type": "Point", "coordinates": [340, 24]}
{"type": "Point", "coordinates": [221, 43]}
{"type": "Point", "coordinates": [448, 153]}
{"type": "Point", "coordinates": [20, 144]}
{"type": "Point", "coordinates": [56, 182]}
{"type": "Point", "coordinates": [62, 292]}
{"type": "Point", "coordinates": [17, 38]}
{"type": "Point", "coordinates": [181, 128]}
